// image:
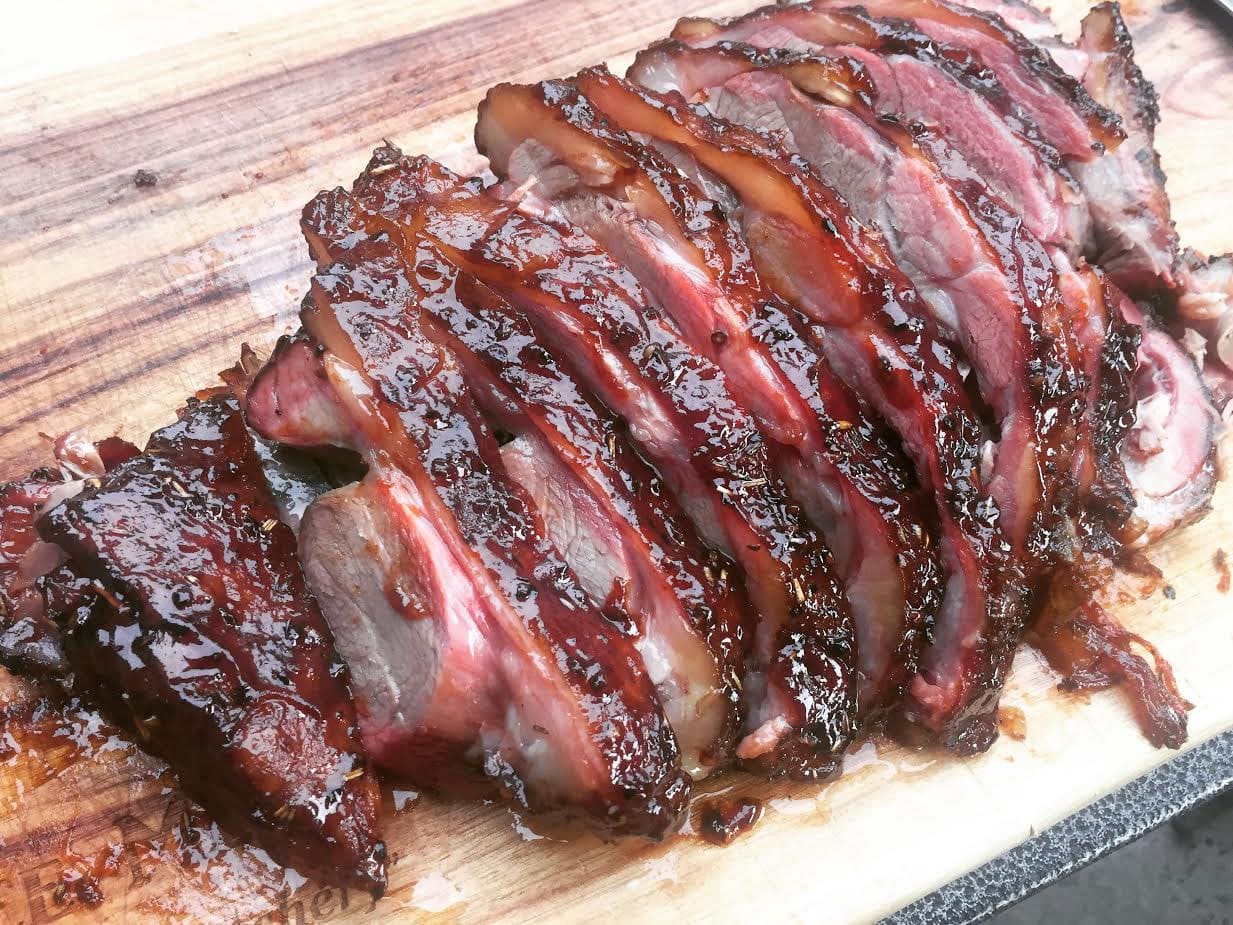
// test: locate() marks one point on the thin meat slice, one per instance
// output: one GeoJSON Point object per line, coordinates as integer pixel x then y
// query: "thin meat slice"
{"type": "Point", "coordinates": [1079, 127]}
{"type": "Point", "coordinates": [698, 270]}
{"type": "Point", "coordinates": [1136, 244]}
{"type": "Point", "coordinates": [867, 319]}
{"type": "Point", "coordinates": [939, 92]}
{"type": "Point", "coordinates": [990, 286]}
{"type": "Point", "coordinates": [921, 81]}
{"type": "Point", "coordinates": [603, 507]}
{"type": "Point", "coordinates": [1134, 241]}
{"type": "Point", "coordinates": [204, 640]}
{"type": "Point", "coordinates": [800, 684]}
{"type": "Point", "coordinates": [505, 667]}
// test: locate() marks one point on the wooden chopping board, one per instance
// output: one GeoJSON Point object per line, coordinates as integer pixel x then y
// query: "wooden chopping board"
{"type": "Point", "coordinates": [117, 300]}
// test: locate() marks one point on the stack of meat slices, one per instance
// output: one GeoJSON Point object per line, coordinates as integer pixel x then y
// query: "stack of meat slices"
{"type": "Point", "coordinates": [768, 400]}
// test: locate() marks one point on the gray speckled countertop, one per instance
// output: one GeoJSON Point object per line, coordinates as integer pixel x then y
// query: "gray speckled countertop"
{"type": "Point", "coordinates": [1106, 825]}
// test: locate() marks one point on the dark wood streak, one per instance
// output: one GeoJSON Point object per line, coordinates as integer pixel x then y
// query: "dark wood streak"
{"type": "Point", "coordinates": [28, 457]}
{"type": "Point", "coordinates": [405, 76]}
{"type": "Point", "coordinates": [142, 311]}
{"type": "Point", "coordinates": [66, 187]}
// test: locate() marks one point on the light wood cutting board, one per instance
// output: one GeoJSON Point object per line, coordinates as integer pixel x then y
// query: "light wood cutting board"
{"type": "Point", "coordinates": [116, 301]}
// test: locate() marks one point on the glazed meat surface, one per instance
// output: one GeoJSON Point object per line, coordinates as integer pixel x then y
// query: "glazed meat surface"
{"type": "Point", "coordinates": [800, 685]}
{"type": "Point", "coordinates": [203, 639]}
{"type": "Point", "coordinates": [747, 408]}
{"type": "Point", "coordinates": [810, 249]}
{"type": "Point", "coordinates": [695, 266]}
{"type": "Point", "coordinates": [604, 508]}
{"type": "Point", "coordinates": [508, 670]}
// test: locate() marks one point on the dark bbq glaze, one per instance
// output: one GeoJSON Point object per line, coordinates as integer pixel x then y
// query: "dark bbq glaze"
{"type": "Point", "coordinates": [868, 325]}
{"type": "Point", "coordinates": [1011, 325]}
{"type": "Point", "coordinates": [520, 388]}
{"type": "Point", "coordinates": [1002, 144]}
{"type": "Point", "coordinates": [38, 588]}
{"type": "Point", "coordinates": [821, 431]}
{"type": "Point", "coordinates": [204, 640]}
{"type": "Point", "coordinates": [1078, 126]}
{"type": "Point", "coordinates": [607, 728]}
{"type": "Point", "coordinates": [801, 684]}
{"type": "Point", "coordinates": [35, 585]}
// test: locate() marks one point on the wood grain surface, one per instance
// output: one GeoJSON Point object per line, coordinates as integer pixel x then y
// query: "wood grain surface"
{"type": "Point", "coordinates": [117, 300]}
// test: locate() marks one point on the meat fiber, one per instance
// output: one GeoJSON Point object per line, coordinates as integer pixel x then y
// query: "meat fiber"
{"type": "Point", "coordinates": [202, 639]}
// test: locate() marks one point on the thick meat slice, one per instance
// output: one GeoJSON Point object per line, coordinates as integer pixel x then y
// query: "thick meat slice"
{"type": "Point", "coordinates": [867, 319]}
{"type": "Point", "coordinates": [602, 505]}
{"type": "Point", "coordinates": [990, 285]}
{"type": "Point", "coordinates": [922, 81]}
{"type": "Point", "coordinates": [1135, 241]}
{"type": "Point", "coordinates": [508, 668]}
{"type": "Point", "coordinates": [800, 687]}
{"type": "Point", "coordinates": [204, 640]}
{"type": "Point", "coordinates": [697, 269]}
{"type": "Point", "coordinates": [1076, 125]}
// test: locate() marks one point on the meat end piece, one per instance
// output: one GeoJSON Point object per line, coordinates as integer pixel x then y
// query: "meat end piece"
{"type": "Point", "coordinates": [204, 641]}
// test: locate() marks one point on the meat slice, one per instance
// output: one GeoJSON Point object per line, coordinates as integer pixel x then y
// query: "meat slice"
{"type": "Point", "coordinates": [1135, 241]}
{"type": "Point", "coordinates": [1170, 453]}
{"type": "Point", "coordinates": [800, 687]}
{"type": "Point", "coordinates": [603, 507]}
{"type": "Point", "coordinates": [866, 318]}
{"type": "Point", "coordinates": [502, 666]}
{"type": "Point", "coordinates": [697, 269]}
{"type": "Point", "coordinates": [919, 80]}
{"type": "Point", "coordinates": [203, 639]}
{"type": "Point", "coordinates": [990, 286]}
{"type": "Point", "coordinates": [1079, 127]}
